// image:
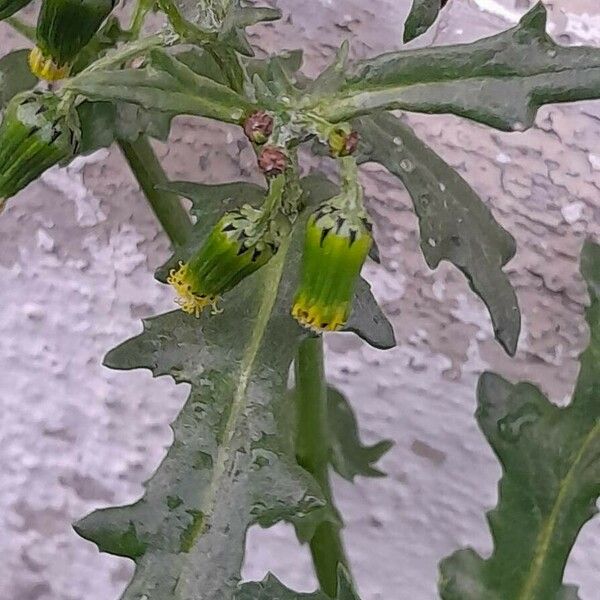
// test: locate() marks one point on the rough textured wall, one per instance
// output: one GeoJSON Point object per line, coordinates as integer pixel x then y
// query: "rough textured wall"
{"type": "Point", "coordinates": [77, 251]}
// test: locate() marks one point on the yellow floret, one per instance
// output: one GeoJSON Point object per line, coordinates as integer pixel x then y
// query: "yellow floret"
{"type": "Point", "coordinates": [46, 68]}
{"type": "Point", "coordinates": [190, 301]}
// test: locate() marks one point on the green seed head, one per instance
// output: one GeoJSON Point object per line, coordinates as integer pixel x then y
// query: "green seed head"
{"type": "Point", "coordinates": [33, 137]}
{"type": "Point", "coordinates": [239, 244]}
{"type": "Point", "coordinates": [336, 245]}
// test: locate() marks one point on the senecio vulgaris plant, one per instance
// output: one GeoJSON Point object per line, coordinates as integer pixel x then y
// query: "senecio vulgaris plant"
{"type": "Point", "coordinates": [260, 273]}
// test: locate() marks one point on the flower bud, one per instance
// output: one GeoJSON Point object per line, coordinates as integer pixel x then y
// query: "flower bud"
{"type": "Point", "coordinates": [238, 245]}
{"type": "Point", "coordinates": [10, 7]}
{"type": "Point", "coordinates": [336, 244]}
{"type": "Point", "coordinates": [272, 161]}
{"type": "Point", "coordinates": [33, 137]}
{"type": "Point", "coordinates": [258, 127]}
{"type": "Point", "coordinates": [342, 143]}
{"type": "Point", "coordinates": [64, 28]}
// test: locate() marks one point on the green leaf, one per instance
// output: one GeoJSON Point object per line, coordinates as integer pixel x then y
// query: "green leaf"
{"type": "Point", "coordinates": [349, 457]}
{"type": "Point", "coordinates": [103, 123]}
{"type": "Point", "coordinates": [455, 225]}
{"type": "Point", "coordinates": [500, 81]}
{"type": "Point", "coordinates": [107, 37]}
{"type": "Point", "coordinates": [247, 16]}
{"type": "Point", "coordinates": [15, 76]}
{"type": "Point", "coordinates": [231, 464]}
{"type": "Point", "coordinates": [368, 321]}
{"type": "Point", "coordinates": [550, 482]}
{"type": "Point", "coordinates": [272, 589]}
{"type": "Point", "coordinates": [10, 7]}
{"type": "Point", "coordinates": [168, 85]}
{"type": "Point", "coordinates": [422, 16]}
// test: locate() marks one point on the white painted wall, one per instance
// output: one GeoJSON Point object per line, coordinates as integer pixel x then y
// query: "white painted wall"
{"type": "Point", "coordinates": [77, 251]}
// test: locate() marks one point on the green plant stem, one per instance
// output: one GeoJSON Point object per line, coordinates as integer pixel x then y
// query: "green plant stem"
{"type": "Point", "coordinates": [313, 454]}
{"type": "Point", "coordinates": [149, 174]}
{"type": "Point", "coordinates": [142, 8]}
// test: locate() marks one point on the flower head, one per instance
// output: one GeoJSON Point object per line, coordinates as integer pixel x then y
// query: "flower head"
{"type": "Point", "coordinates": [33, 137]}
{"type": "Point", "coordinates": [337, 241]}
{"type": "Point", "coordinates": [239, 244]}
{"type": "Point", "coordinates": [64, 28]}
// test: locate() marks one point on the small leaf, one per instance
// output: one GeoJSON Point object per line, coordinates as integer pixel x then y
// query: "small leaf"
{"type": "Point", "coordinates": [168, 86]}
{"type": "Point", "coordinates": [422, 16]}
{"type": "Point", "coordinates": [349, 457]}
{"type": "Point", "coordinates": [332, 78]}
{"type": "Point", "coordinates": [272, 589]}
{"type": "Point", "coordinates": [15, 76]}
{"type": "Point", "coordinates": [550, 482]}
{"type": "Point", "coordinates": [103, 123]}
{"type": "Point", "coordinates": [500, 81]}
{"type": "Point", "coordinates": [246, 16]}
{"type": "Point", "coordinates": [368, 321]}
{"type": "Point", "coordinates": [455, 225]}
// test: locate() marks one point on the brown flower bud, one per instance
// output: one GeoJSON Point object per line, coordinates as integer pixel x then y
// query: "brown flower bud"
{"type": "Point", "coordinates": [272, 161]}
{"type": "Point", "coordinates": [258, 127]}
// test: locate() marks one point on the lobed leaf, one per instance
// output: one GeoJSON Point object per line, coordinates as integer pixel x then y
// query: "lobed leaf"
{"type": "Point", "coordinates": [454, 223]}
{"type": "Point", "coordinates": [231, 464]}
{"type": "Point", "coordinates": [167, 85]}
{"type": "Point", "coordinates": [422, 16]}
{"type": "Point", "coordinates": [15, 76]}
{"type": "Point", "coordinates": [500, 81]}
{"type": "Point", "coordinates": [348, 456]}
{"type": "Point", "coordinates": [103, 123]}
{"type": "Point", "coordinates": [272, 589]}
{"type": "Point", "coordinates": [550, 482]}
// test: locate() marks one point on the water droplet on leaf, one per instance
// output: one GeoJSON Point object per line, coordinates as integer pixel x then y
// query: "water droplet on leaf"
{"type": "Point", "coordinates": [511, 426]}
{"type": "Point", "coordinates": [406, 165]}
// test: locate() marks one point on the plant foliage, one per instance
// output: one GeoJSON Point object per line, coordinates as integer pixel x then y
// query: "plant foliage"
{"type": "Point", "coordinates": [550, 482]}
{"type": "Point", "coordinates": [237, 459]}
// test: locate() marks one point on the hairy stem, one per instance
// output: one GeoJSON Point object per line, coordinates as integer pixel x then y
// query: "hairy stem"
{"type": "Point", "coordinates": [313, 454]}
{"type": "Point", "coordinates": [149, 174]}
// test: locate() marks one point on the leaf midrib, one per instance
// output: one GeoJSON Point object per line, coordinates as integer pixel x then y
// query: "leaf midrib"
{"type": "Point", "coordinates": [224, 452]}
{"type": "Point", "coordinates": [543, 542]}
{"type": "Point", "coordinates": [352, 92]}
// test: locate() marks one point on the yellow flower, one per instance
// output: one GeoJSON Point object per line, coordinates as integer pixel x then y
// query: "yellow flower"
{"type": "Point", "coordinates": [337, 242]}
{"type": "Point", "coordinates": [239, 244]}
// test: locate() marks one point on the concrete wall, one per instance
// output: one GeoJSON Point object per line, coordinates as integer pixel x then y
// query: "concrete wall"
{"type": "Point", "coordinates": [77, 251]}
